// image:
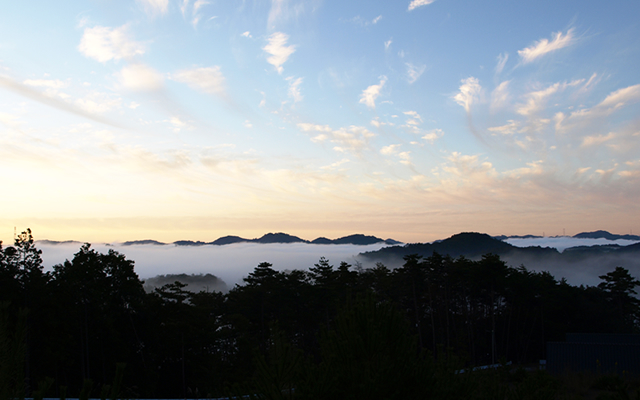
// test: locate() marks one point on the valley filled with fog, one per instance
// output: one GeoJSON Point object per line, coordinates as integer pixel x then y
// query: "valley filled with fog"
{"type": "Point", "coordinates": [234, 261]}
{"type": "Point", "coordinates": [229, 262]}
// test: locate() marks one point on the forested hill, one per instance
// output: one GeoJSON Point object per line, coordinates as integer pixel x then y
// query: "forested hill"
{"type": "Point", "coordinates": [468, 244]}
{"type": "Point", "coordinates": [473, 245]}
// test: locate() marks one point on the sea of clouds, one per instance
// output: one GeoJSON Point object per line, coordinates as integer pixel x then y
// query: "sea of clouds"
{"type": "Point", "coordinates": [564, 242]}
{"type": "Point", "coordinates": [233, 262]}
{"type": "Point", "coordinates": [230, 262]}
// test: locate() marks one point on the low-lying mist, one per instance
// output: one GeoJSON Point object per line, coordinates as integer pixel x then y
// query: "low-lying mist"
{"type": "Point", "coordinates": [564, 242]}
{"type": "Point", "coordinates": [234, 261]}
{"type": "Point", "coordinates": [229, 262]}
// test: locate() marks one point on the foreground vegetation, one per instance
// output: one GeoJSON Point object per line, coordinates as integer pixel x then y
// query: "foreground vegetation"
{"type": "Point", "coordinates": [328, 332]}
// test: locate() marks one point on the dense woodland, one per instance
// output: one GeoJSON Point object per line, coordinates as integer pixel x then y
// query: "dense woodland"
{"type": "Point", "coordinates": [89, 328]}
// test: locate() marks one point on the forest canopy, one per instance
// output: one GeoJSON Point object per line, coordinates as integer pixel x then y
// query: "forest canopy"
{"type": "Point", "coordinates": [74, 329]}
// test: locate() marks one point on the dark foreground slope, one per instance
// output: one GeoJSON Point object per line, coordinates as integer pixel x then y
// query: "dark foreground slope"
{"type": "Point", "coordinates": [328, 331]}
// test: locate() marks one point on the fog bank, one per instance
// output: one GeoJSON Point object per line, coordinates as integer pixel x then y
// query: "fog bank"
{"type": "Point", "coordinates": [229, 262]}
{"type": "Point", "coordinates": [564, 242]}
{"type": "Point", "coordinates": [234, 261]}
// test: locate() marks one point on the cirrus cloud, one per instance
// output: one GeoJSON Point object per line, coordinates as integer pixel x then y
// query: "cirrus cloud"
{"type": "Point", "coordinates": [153, 7]}
{"type": "Point", "coordinates": [419, 3]}
{"type": "Point", "coordinates": [544, 46]}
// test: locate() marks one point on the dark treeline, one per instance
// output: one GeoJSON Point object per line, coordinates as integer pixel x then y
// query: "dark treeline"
{"type": "Point", "coordinates": [65, 332]}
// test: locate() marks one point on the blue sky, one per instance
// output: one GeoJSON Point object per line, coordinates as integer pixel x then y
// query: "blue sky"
{"type": "Point", "coordinates": [174, 119]}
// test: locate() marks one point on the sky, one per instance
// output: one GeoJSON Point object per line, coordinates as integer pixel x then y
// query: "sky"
{"type": "Point", "coordinates": [413, 120]}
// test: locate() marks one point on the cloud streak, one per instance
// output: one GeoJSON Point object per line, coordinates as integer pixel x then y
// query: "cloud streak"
{"type": "Point", "coordinates": [414, 72]}
{"type": "Point", "coordinates": [418, 3]}
{"type": "Point", "coordinates": [546, 46]}
{"type": "Point", "coordinates": [154, 7]}
{"type": "Point", "coordinates": [62, 105]}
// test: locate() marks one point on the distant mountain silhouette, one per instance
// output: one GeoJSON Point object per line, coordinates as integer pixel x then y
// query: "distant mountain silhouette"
{"type": "Point", "coordinates": [229, 240]}
{"type": "Point", "coordinates": [279, 238]}
{"type": "Point", "coordinates": [189, 243]}
{"type": "Point", "coordinates": [468, 244]}
{"type": "Point", "coordinates": [322, 240]}
{"type": "Point", "coordinates": [605, 235]}
{"type": "Point", "coordinates": [583, 235]}
{"type": "Point", "coordinates": [54, 242]}
{"type": "Point", "coordinates": [147, 241]}
{"type": "Point", "coordinates": [503, 237]}
{"type": "Point", "coordinates": [573, 261]}
{"type": "Point", "coordinates": [357, 239]}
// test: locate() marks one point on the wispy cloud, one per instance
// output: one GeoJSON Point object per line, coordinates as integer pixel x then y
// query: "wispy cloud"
{"type": "Point", "coordinates": [545, 46]}
{"type": "Point", "coordinates": [184, 6]}
{"type": "Point", "coordinates": [206, 79]}
{"type": "Point", "coordinates": [387, 44]}
{"type": "Point", "coordinates": [103, 44]}
{"type": "Point", "coordinates": [621, 97]}
{"type": "Point", "coordinates": [508, 129]}
{"type": "Point", "coordinates": [154, 7]}
{"type": "Point", "coordinates": [28, 92]}
{"type": "Point", "coordinates": [278, 49]}
{"type": "Point", "coordinates": [307, 127]}
{"type": "Point", "coordinates": [284, 10]}
{"type": "Point", "coordinates": [502, 61]}
{"type": "Point", "coordinates": [390, 149]}
{"type": "Point", "coordinates": [597, 140]}
{"type": "Point", "coordinates": [469, 93]}
{"type": "Point", "coordinates": [536, 100]}
{"type": "Point", "coordinates": [433, 135]}
{"type": "Point", "coordinates": [178, 124]}
{"type": "Point", "coordinates": [195, 14]}
{"type": "Point", "coordinates": [246, 34]}
{"type": "Point", "coordinates": [140, 77]}
{"type": "Point", "coordinates": [47, 83]}
{"type": "Point", "coordinates": [294, 89]}
{"type": "Point", "coordinates": [414, 72]}
{"type": "Point", "coordinates": [583, 118]}
{"type": "Point", "coordinates": [500, 96]}
{"type": "Point", "coordinates": [358, 20]}
{"type": "Point", "coordinates": [99, 103]}
{"type": "Point", "coordinates": [370, 94]}
{"type": "Point", "coordinates": [353, 139]}
{"type": "Point", "coordinates": [419, 3]}
{"type": "Point", "coordinates": [415, 119]}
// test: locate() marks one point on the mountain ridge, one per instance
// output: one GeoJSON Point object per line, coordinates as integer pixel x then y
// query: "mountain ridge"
{"type": "Point", "coordinates": [278, 237]}
{"type": "Point", "coordinates": [474, 245]}
{"type": "Point", "coordinates": [361, 239]}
